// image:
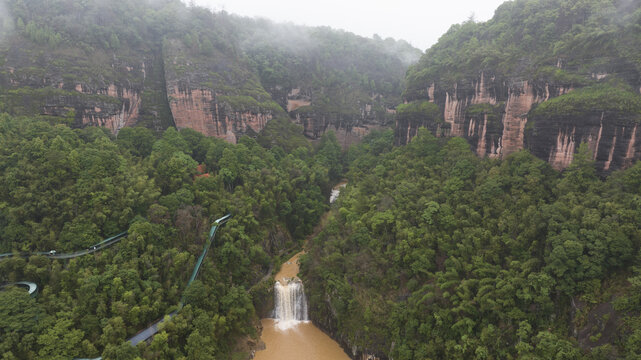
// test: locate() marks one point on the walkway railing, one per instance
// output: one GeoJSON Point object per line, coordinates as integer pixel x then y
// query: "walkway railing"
{"type": "Point", "coordinates": [147, 333]}
{"type": "Point", "coordinates": [151, 330]}
{"type": "Point", "coordinates": [54, 255]}
{"type": "Point", "coordinates": [31, 287]}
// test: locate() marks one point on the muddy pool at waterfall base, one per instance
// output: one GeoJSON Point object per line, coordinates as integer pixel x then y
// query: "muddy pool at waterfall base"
{"type": "Point", "coordinates": [291, 339]}
{"type": "Point", "coordinates": [301, 341]}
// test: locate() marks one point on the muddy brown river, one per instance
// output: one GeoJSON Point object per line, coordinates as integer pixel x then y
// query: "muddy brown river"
{"type": "Point", "coordinates": [298, 340]}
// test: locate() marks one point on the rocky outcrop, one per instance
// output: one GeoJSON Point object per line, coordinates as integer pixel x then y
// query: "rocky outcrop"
{"type": "Point", "coordinates": [107, 92]}
{"type": "Point", "coordinates": [612, 139]}
{"type": "Point", "coordinates": [200, 110]}
{"type": "Point", "coordinates": [113, 107]}
{"type": "Point", "coordinates": [112, 115]}
{"type": "Point", "coordinates": [211, 94]}
{"type": "Point", "coordinates": [350, 126]}
{"type": "Point", "coordinates": [514, 99]}
{"type": "Point", "coordinates": [328, 325]}
{"type": "Point", "coordinates": [493, 115]}
{"type": "Point", "coordinates": [224, 77]}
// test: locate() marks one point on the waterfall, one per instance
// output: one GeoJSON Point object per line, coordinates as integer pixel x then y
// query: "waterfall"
{"type": "Point", "coordinates": [290, 304]}
{"type": "Point", "coordinates": [335, 192]}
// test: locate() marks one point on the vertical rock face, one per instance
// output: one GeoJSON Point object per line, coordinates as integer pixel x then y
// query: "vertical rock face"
{"type": "Point", "coordinates": [113, 116]}
{"type": "Point", "coordinates": [453, 113]}
{"type": "Point", "coordinates": [492, 115]}
{"type": "Point", "coordinates": [562, 154]}
{"type": "Point", "coordinates": [221, 75]}
{"type": "Point", "coordinates": [193, 109]}
{"type": "Point", "coordinates": [104, 89]}
{"type": "Point", "coordinates": [612, 139]}
{"type": "Point", "coordinates": [199, 109]}
{"type": "Point", "coordinates": [152, 86]}
{"type": "Point", "coordinates": [208, 93]}
{"type": "Point", "coordinates": [487, 134]}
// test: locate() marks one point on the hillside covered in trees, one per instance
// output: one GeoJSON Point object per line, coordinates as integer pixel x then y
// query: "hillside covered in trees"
{"type": "Point", "coordinates": [67, 189]}
{"type": "Point", "coordinates": [155, 118]}
{"type": "Point", "coordinates": [433, 253]}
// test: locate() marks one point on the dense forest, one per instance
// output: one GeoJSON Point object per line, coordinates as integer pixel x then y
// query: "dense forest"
{"type": "Point", "coordinates": [67, 189]}
{"type": "Point", "coordinates": [430, 252]}
{"type": "Point", "coordinates": [433, 253]}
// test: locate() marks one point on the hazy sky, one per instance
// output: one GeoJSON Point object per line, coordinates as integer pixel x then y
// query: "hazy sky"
{"type": "Point", "coordinates": [421, 22]}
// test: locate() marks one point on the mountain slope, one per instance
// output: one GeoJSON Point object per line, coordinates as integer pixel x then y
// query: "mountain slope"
{"type": "Point", "coordinates": [328, 79]}
{"type": "Point", "coordinates": [487, 79]}
{"type": "Point", "coordinates": [434, 253]}
{"type": "Point", "coordinates": [161, 63]}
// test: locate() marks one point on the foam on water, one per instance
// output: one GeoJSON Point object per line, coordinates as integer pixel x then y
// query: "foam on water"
{"type": "Point", "coordinates": [290, 304]}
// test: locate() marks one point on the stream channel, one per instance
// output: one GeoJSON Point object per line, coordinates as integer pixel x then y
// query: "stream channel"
{"type": "Point", "coordinates": [289, 335]}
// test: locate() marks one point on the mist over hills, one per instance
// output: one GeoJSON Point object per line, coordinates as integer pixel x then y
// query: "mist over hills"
{"type": "Point", "coordinates": [491, 207]}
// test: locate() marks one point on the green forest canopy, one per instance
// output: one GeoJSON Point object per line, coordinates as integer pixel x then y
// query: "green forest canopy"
{"type": "Point", "coordinates": [433, 253]}
{"type": "Point", "coordinates": [66, 189]}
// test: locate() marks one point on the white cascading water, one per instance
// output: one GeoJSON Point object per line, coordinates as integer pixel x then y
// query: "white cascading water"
{"type": "Point", "coordinates": [290, 304]}
{"type": "Point", "coordinates": [335, 192]}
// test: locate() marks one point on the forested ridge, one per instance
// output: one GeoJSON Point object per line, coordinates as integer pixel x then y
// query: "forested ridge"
{"type": "Point", "coordinates": [94, 62]}
{"type": "Point", "coordinates": [67, 189]}
{"type": "Point", "coordinates": [542, 75]}
{"type": "Point", "coordinates": [561, 42]}
{"type": "Point", "coordinates": [433, 253]}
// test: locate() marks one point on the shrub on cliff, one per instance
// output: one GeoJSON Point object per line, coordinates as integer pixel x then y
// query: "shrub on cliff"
{"type": "Point", "coordinates": [423, 110]}
{"type": "Point", "coordinates": [602, 98]}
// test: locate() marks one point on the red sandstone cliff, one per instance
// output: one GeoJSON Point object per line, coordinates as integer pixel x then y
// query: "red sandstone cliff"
{"type": "Point", "coordinates": [112, 117]}
{"type": "Point", "coordinates": [217, 95]}
{"type": "Point", "coordinates": [199, 109]}
{"type": "Point", "coordinates": [613, 140]}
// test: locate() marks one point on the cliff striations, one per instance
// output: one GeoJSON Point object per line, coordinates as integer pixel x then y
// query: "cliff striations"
{"type": "Point", "coordinates": [496, 118]}
{"type": "Point", "coordinates": [112, 89]}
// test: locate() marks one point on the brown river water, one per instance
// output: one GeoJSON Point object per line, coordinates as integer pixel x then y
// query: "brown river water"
{"type": "Point", "coordinates": [301, 341]}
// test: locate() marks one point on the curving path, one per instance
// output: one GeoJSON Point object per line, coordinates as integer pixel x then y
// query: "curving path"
{"type": "Point", "coordinates": [54, 255]}
{"type": "Point", "coordinates": [144, 334]}
{"type": "Point", "coordinates": [31, 287]}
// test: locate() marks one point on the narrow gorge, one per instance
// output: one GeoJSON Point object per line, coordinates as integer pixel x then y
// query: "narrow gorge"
{"type": "Point", "coordinates": [289, 335]}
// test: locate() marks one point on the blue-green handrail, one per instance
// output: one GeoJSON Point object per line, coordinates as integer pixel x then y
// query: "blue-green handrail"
{"type": "Point", "coordinates": [199, 262]}
{"type": "Point", "coordinates": [153, 329]}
